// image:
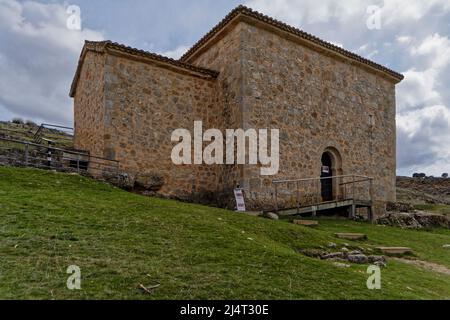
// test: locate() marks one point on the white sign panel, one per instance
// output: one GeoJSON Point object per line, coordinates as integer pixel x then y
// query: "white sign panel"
{"type": "Point", "coordinates": [325, 169]}
{"type": "Point", "coordinates": [240, 202]}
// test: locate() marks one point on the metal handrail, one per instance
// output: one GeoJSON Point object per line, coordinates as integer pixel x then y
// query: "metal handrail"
{"type": "Point", "coordinates": [37, 138]}
{"type": "Point", "coordinates": [353, 182]}
{"type": "Point", "coordinates": [50, 157]}
{"type": "Point", "coordinates": [323, 178]}
{"type": "Point", "coordinates": [55, 126]}
{"type": "Point", "coordinates": [56, 149]}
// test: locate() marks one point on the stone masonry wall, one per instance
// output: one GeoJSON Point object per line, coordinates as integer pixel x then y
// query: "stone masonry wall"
{"type": "Point", "coordinates": [317, 102]}
{"type": "Point", "coordinates": [225, 57]}
{"type": "Point", "coordinates": [89, 105]}
{"type": "Point", "coordinates": [144, 104]}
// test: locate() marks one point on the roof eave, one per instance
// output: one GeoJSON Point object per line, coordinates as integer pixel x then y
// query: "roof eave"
{"type": "Point", "coordinates": [139, 55]}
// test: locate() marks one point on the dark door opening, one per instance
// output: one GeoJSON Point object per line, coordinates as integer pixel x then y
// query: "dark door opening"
{"type": "Point", "coordinates": [326, 184]}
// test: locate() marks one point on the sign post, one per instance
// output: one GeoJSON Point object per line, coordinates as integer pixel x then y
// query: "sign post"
{"type": "Point", "coordinates": [240, 202]}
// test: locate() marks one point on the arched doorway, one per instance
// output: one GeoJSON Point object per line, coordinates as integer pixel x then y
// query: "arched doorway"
{"type": "Point", "coordinates": [331, 166]}
{"type": "Point", "coordinates": [326, 181]}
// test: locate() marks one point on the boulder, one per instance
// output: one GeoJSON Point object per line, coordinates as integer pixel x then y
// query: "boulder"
{"type": "Point", "coordinates": [380, 263]}
{"type": "Point", "coordinates": [272, 216]}
{"type": "Point", "coordinates": [418, 220]}
{"type": "Point", "coordinates": [151, 181]}
{"type": "Point", "coordinates": [124, 180]}
{"type": "Point", "coordinates": [373, 259]}
{"type": "Point", "coordinates": [399, 207]}
{"type": "Point", "coordinates": [357, 258]}
{"type": "Point", "coordinates": [333, 255]}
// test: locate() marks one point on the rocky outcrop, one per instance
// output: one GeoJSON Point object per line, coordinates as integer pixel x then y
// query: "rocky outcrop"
{"type": "Point", "coordinates": [355, 256]}
{"type": "Point", "coordinates": [417, 220]}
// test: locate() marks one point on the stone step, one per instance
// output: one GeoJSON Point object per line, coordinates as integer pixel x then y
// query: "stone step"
{"type": "Point", "coordinates": [309, 223]}
{"type": "Point", "coordinates": [395, 250]}
{"type": "Point", "coordinates": [351, 236]}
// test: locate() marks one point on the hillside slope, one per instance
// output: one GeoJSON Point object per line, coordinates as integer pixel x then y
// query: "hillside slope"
{"type": "Point", "coordinates": [428, 194]}
{"type": "Point", "coordinates": [427, 190]}
{"type": "Point", "coordinates": [120, 240]}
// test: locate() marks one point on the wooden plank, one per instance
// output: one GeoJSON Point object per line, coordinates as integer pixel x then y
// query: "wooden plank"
{"type": "Point", "coordinates": [351, 236]}
{"type": "Point", "coordinates": [317, 207]}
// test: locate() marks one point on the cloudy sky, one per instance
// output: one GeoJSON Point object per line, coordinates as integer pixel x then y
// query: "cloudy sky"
{"type": "Point", "coordinates": [38, 53]}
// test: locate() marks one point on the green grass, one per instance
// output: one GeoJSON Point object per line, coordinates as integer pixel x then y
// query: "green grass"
{"type": "Point", "coordinates": [119, 240]}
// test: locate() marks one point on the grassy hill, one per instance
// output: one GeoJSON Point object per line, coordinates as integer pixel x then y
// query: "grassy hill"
{"type": "Point", "coordinates": [120, 240]}
{"type": "Point", "coordinates": [26, 132]}
{"type": "Point", "coordinates": [427, 194]}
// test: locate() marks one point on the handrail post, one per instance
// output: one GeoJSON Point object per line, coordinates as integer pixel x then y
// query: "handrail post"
{"type": "Point", "coordinates": [353, 187]}
{"type": "Point", "coordinates": [318, 193]}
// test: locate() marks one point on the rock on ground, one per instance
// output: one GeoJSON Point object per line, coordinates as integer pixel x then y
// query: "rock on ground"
{"type": "Point", "coordinates": [418, 220]}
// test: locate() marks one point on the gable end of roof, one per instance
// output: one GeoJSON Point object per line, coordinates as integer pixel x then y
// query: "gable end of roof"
{"type": "Point", "coordinates": [247, 12]}
{"type": "Point", "coordinates": [113, 47]}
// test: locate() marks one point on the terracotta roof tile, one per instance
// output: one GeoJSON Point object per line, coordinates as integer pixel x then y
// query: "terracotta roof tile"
{"type": "Point", "coordinates": [243, 10]}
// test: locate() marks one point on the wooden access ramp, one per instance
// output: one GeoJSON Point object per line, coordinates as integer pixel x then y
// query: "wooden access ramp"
{"type": "Point", "coordinates": [315, 209]}
{"type": "Point", "coordinates": [350, 192]}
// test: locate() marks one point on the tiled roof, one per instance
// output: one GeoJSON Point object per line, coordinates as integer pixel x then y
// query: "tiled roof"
{"type": "Point", "coordinates": [245, 11]}
{"type": "Point", "coordinates": [101, 46]}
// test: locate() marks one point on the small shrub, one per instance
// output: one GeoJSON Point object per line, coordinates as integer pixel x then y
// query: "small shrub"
{"type": "Point", "coordinates": [17, 121]}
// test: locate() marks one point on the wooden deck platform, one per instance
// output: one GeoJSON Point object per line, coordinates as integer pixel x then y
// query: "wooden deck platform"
{"type": "Point", "coordinates": [350, 204]}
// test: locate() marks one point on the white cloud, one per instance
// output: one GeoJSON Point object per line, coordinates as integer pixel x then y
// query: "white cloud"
{"type": "Point", "coordinates": [175, 53]}
{"type": "Point", "coordinates": [404, 39]}
{"type": "Point", "coordinates": [424, 136]}
{"type": "Point", "coordinates": [409, 11]}
{"type": "Point", "coordinates": [421, 87]}
{"type": "Point", "coordinates": [38, 56]}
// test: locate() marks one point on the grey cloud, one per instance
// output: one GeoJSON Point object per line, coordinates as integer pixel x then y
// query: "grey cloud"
{"type": "Point", "coordinates": [38, 56]}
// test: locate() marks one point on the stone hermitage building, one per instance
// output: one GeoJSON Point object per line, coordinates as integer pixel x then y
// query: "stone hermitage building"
{"type": "Point", "coordinates": [249, 71]}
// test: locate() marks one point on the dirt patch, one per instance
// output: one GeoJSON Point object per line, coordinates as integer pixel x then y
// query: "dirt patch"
{"type": "Point", "coordinates": [425, 265]}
